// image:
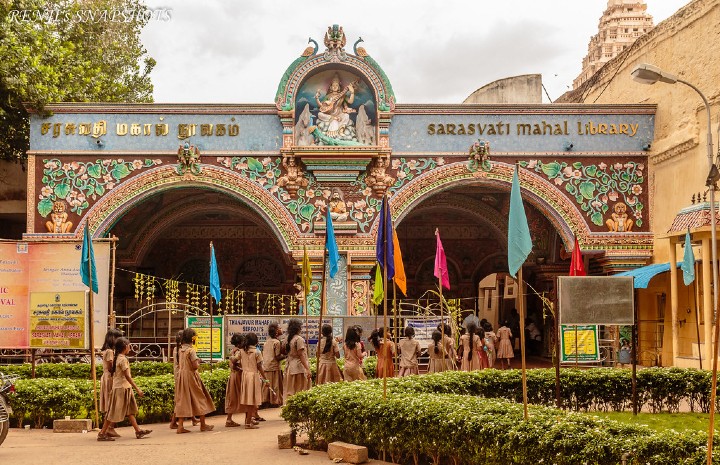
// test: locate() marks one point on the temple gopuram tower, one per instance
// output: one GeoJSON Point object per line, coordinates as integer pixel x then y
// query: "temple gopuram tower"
{"type": "Point", "coordinates": [620, 25]}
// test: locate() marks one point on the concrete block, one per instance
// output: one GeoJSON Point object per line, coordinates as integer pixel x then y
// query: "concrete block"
{"type": "Point", "coordinates": [349, 453]}
{"type": "Point", "coordinates": [286, 440]}
{"type": "Point", "coordinates": [72, 426]}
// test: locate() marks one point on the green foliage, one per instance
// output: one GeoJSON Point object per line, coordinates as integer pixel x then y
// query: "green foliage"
{"type": "Point", "coordinates": [66, 56]}
{"type": "Point", "coordinates": [409, 425]}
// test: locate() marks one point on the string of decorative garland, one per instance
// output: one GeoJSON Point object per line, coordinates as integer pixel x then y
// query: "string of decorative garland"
{"type": "Point", "coordinates": [146, 287]}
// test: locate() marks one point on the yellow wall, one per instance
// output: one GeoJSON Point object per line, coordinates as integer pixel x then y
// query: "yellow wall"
{"type": "Point", "coordinates": [686, 45]}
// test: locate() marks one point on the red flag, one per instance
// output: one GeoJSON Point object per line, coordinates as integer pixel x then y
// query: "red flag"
{"type": "Point", "coordinates": [441, 269]}
{"type": "Point", "coordinates": [577, 266]}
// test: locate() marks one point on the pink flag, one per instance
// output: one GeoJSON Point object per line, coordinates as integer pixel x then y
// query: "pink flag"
{"type": "Point", "coordinates": [441, 269]}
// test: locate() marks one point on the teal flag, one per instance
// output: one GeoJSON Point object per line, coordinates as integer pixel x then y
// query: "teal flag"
{"type": "Point", "coordinates": [214, 276]}
{"type": "Point", "coordinates": [331, 246]}
{"type": "Point", "coordinates": [519, 241]}
{"type": "Point", "coordinates": [87, 261]}
{"type": "Point", "coordinates": [688, 263]}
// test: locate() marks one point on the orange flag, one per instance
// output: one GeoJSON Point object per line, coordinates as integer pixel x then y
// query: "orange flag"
{"type": "Point", "coordinates": [399, 277]}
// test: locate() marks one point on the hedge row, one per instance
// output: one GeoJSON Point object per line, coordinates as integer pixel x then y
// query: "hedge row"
{"type": "Point", "coordinates": [82, 370]}
{"type": "Point", "coordinates": [659, 389]}
{"type": "Point", "coordinates": [410, 426]}
{"type": "Point", "coordinates": [39, 401]}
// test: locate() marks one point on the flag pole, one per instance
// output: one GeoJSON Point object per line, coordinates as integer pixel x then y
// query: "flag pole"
{"type": "Point", "coordinates": [442, 315]}
{"type": "Point", "coordinates": [395, 313]}
{"type": "Point", "coordinates": [384, 283]}
{"type": "Point", "coordinates": [91, 316]}
{"type": "Point", "coordinates": [522, 341]}
{"type": "Point", "coordinates": [324, 297]}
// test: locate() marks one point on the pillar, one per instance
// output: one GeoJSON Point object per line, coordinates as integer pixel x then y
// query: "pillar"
{"type": "Point", "coordinates": [707, 300]}
{"type": "Point", "coordinates": [674, 300]}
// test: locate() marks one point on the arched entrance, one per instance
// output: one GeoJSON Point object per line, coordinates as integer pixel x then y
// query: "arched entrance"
{"type": "Point", "coordinates": [166, 234]}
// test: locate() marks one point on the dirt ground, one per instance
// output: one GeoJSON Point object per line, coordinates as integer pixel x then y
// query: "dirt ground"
{"type": "Point", "coordinates": [163, 447]}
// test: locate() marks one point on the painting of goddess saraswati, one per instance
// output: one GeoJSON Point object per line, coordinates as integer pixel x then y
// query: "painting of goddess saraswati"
{"type": "Point", "coordinates": [335, 108]}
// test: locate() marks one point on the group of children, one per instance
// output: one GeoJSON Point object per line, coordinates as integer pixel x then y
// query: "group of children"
{"type": "Point", "coordinates": [256, 377]}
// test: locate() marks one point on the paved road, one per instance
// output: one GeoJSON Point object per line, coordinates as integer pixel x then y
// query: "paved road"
{"type": "Point", "coordinates": [163, 447]}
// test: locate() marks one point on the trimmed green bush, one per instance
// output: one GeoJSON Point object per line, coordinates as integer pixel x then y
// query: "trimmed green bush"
{"type": "Point", "coordinates": [470, 430]}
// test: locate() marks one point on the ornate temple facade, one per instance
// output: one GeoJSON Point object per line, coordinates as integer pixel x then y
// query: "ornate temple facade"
{"type": "Point", "coordinates": [257, 180]}
{"type": "Point", "coordinates": [620, 25]}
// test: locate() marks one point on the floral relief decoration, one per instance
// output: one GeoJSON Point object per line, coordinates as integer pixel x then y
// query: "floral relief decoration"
{"type": "Point", "coordinates": [596, 187]}
{"type": "Point", "coordinates": [79, 182]}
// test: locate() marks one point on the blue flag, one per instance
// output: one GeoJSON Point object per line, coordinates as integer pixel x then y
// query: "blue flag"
{"type": "Point", "coordinates": [519, 241]}
{"type": "Point", "coordinates": [87, 260]}
{"type": "Point", "coordinates": [331, 246]}
{"type": "Point", "coordinates": [688, 263]}
{"type": "Point", "coordinates": [214, 276]}
{"type": "Point", "coordinates": [384, 249]}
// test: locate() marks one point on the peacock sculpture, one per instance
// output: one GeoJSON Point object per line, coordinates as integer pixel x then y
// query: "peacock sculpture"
{"type": "Point", "coordinates": [386, 101]}
{"type": "Point", "coordinates": [288, 103]}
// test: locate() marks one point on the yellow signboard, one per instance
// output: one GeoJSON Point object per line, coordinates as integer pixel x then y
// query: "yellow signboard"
{"type": "Point", "coordinates": [58, 320]}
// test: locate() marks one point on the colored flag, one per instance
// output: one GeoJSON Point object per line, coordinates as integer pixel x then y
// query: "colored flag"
{"type": "Point", "coordinates": [331, 246]}
{"type": "Point", "coordinates": [688, 263]}
{"type": "Point", "coordinates": [214, 276]}
{"type": "Point", "coordinates": [577, 265]}
{"type": "Point", "coordinates": [519, 241]}
{"type": "Point", "coordinates": [306, 278]}
{"type": "Point", "coordinates": [441, 269]}
{"type": "Point", "coordinates": [378, 293]}
{"type": "Point", "coordinates": [87, 260]}
{"type": "Point", "coordinates": [399, 277]}
{"type": "Point", "coordinates": [384, 246]}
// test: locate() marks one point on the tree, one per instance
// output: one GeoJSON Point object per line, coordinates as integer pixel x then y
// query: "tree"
{"type": "Point", "coordinates": [67, 51]}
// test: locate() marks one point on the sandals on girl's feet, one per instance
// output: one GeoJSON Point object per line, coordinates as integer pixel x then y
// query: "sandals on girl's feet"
{"type": "Point", "coordinates": [112, 433]}
{"type": "Point", "coordinates": [173, 426]}
{"type": "Point", "coordinates": [182, 430]}
{"type": "Point", "coordinates": [259, 419]}
{"type": "Point", "coordinates": [142, 433]}
{"type": "Point", "coordinates": [195, 422]}
{"type": "Point", "coordinates": [231, 424]}
{"type": "Point", "coordinates": [207, 428]}
{"type": "Point", "coordinates": [251, 426]}
{"type": "Point", "coordinates": [104, 437]}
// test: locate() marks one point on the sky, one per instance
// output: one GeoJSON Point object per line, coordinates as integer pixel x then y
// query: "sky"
{"type": "Point", "coordinates": [224, 51]}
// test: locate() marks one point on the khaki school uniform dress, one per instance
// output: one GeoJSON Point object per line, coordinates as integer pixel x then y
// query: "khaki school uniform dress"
{"type": "Point", "coordinates": [233, 391]}
{"type": "Point", "coordinates": [450, 360]}
{"type": "Point", "coordinates": [505, 348]}
{"type": "Point", "coordinates": [191, 397]}
{"type": "Point", "coordinates": [122, 400]}
{"type": "Point", "coordinates": [467, 363]}
{"type": "Point", "coordinates": [327, 368]}
{"type": "Point", "coordinates": [490, 341]}
{"type": "Point", "coordinates": [353, 370]}
{"type": "Point", "coordinates": [385, 354]}
{"type": "Point", "coordinates": [271, 353]}
{"type": "Point", "coordinates": [409, 353]}
{"type": "Point", "coordinates": [436, 363]}
{"type": "Point", "coordinates": [295, 376]}
{"type": "Point", "coordinates": [106, 380]}
{"type": "Point", "coordinates": [251, 391]}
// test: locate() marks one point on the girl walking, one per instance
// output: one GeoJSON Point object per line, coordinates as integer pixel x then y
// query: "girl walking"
{"type": "Point", "coordinates": [385, 353]}
{"type": "Point", "coordinates": [436, 351]}
{"type": "Point", "coordinates": [297, 376]}
{"type": "Point", "coordinates": [233, 391]}
{"type": "Point", "coordinates": [353, 370]}
{"type": "Point", "coordinates": [505, 350]}
{"type": "Point", "coordinates": [490, 342]}
{"type": "Point", "coordinates": [328, 353]}
{"type": "Point", "coordinates": [409, 353]}
{"type": "Point", "coordinates": [106, 381]}
{"type": "Point", "coordinates": [191, 397]}
{"type": "Point", "coordinates": [449, 345]}
{"type": "Point", "coordinates": [272, 354]}
{"type": "Point", "coordinates": [252, 377]}
{"type": "Point", "coordinates": [122, 400]}
{"type": "Point", "coordinates": [482, 353]}
{"type": "Point", "coordinates": [470, 345]}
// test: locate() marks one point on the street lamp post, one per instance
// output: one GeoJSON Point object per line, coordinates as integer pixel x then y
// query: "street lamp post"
{"type": "Point", "coordinates": [649, 74]}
